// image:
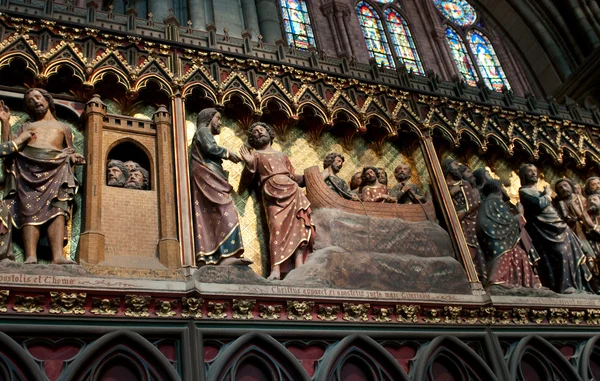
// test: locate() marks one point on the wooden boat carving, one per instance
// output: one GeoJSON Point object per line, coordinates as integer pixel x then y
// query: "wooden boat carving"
{"type": "Point", "coordinates": [321, 196]}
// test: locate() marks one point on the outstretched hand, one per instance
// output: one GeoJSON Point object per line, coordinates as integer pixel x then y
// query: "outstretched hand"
{"type": "Point", "coordinates": [246, 154]}
{"type": "Point", "coordinates": [4, 113]}
{"type": "Point", "coordinates": [234, 157]}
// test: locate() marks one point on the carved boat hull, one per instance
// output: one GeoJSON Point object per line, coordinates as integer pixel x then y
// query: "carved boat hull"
{"type": "Point", "coordinates": [320, 196]}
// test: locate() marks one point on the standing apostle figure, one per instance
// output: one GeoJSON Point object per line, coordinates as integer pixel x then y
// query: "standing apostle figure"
{"type": "Point", "coordinates": [217, 234]}
{"type": "Point", "coordinates": [291, 231]}
{"type": "Point", "coordinates": [552, 237]}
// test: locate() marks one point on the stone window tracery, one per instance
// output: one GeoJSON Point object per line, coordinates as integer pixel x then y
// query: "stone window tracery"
{"type": "Point", "coordinates": [372, 29]}
{"type": "Point", "coordinates": [403, 42]}
{"type": "Point", "coordinates": [477, 58]}
{"type": "Point", "coordinates": [376, 37]}
{"type": "Point", "coordinates": [296, 23]}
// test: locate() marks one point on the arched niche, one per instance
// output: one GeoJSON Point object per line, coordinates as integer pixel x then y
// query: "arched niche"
{"type": "Point", "coordinates": [17, 72]}
{"type": "Point", "coordinates": [63, 79]}
{"type": "Point", "coordinates": [358, 357]}
{"type": "Point", "coordinates": [534, 358]}
{"type": "Point", "coordinates": [112, 88]}
{"type": "Point", "coordinates": [589, 363]}
{"type": "Point", "coordinates": [257, 355]}
{"type": "Point", "coordinates": [128, 150]}
{"type": "Point", "coordinates": [118, 351]}
{"type": "Point", "coordinates": [448, 358]}
{"type": "Point", "coordinates": [15, 363]}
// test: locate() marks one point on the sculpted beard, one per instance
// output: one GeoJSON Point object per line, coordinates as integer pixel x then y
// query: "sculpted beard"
{"type": "Point", "coordinates": [455, 173]}
{"type": "Point", "coordinates": [116, 181]}
{"type": "Point", "coordinates": [402, 176]}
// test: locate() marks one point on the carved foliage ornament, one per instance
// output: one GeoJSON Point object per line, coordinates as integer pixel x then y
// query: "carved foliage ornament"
{"type": "Point", "coordinates": [269, 312]}
{"type": "Point", "coordinates": [328, 313]}
{"type": "Point", "coordinates": [3, 300]}
{"type": "Point", "coordinates": [64, 303]}
{"type": "Point", "coordinates": [164, 308]}
{"type": "Point", "coordinates": [191, 307]}
{"type": "Point", "coordinates": [407, 313]}
{"type": "Point", "coordinates": [216, 310]}
{"type": "Point", "coordinates": [356, 312]}
{"type": "Point", "coordinates": [137, 305]}
{"type": "Point", "coordinates": [297, 310]}
{"type": "Point", "coordinates": [242, 308]}
{"type": "Point", "coordinates": [105, 306]}
{"type": "Point", "coordinates": [29, 304]}
{"type": "Point", "coordinates": [382, 314]}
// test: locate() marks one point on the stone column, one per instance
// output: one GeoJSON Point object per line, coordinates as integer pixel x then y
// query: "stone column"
{"type": "Point", "coordinates": [210, 12]}
{"type": "Point", "coordinates": [447, 206]}
{"type": "Point", "coordinates": [168, 245]}
{"type": "Point", "coordinates": [268, 20]}
{"type": "Point", "coordinates": [184, 197]}
{"type": "Point", "coordinates": [250, 17]}
{"type": "Point", "coordinates": [197, 14]}
{"type": "Point", "coordinates": [336, 38]}
{"type": "Point", "coordinates": [91, 243]}
{"type": "Point", "coordinates": [339, 20]}
{"type": "Point", "coordinates": [159, 9]}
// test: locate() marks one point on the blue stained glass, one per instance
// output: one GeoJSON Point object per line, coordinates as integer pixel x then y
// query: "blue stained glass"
{"type": "Point", "coordinates": [487, 61]}
{"type": "Point", "coordinates": [372, 29]}
{"type": "Point", "coordinates": [461, 57]}
{"type": "Point", "coordinates": [457, 11]}
{"type": "Point", "coordinates": [385, 1]}
{"type": "Point", "coordinates": [403, 42]}
{"type": "Point", "coordinates": [296, 23]}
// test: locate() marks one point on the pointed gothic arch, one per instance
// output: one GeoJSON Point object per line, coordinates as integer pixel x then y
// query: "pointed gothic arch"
{"type": "Point", "coordinates": [124, 349]}
{"type": "Point", "coordinates": [16, 364]}
{"type": "Point", "coordinates": [461, 56]}
{"type": "Point", "coordinates": [589, 360]}
{"type": "Point", "coordinates": [270, 357]}
{"type": "Point", "coordinates": [360, 353]}
{"type": "Point", "coordinates": [535, 355]}
{"type": "Point", "coordinates": [449, 356]}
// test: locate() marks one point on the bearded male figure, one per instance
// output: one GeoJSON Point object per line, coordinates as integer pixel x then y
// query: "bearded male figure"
{"type": "Point", "coordinates": [372, 189]}
{"type": "Point", "coordinates": [571, 208]}
{"type": "Point", "coordinates": [116, 174]}
{"type": "Point", "coordinates": [406, 192]}
{"type": "Point", "coordinates": [593, 233]}
{"type": "Point", "coordinates": [332, 164]}
{"type": "Point", "coordinates": [552, 237]}
{"type": "Point", "coordinates": [291, 231]}
{"type": "Point", "coordinates": [466, 202]}
{"type": "Point", "coordinates": [40, 182]}
{"type": "Point", "coordinates": [139, 178]}
{"type": "Point", "coordinates": [592, 186]}
{"type": "Point", "coordinates": [218, 236]}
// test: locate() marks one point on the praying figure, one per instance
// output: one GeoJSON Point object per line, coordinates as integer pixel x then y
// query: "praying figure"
{"type": "Point", "coordinates": [291, 231]}
{"type": "Point", "coordinates": [406, 192]}
{"type": "Point", "coordinates": [552, 237]}
{"type": "Point", "coordinates": [41, 184]}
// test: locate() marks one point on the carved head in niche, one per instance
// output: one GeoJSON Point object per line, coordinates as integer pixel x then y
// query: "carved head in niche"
{"type": "Point", "coordinates": [593, 204]}
{"type": "Point", "coordinates": [260, 134]}
{"type": "Point", "coordinates": [370, 175]}
{"type": "Point", "coordinates": [139, 178]}
{"type": "Point", "coordinates": [402, 172]}
{"type": "Point", "coordinates": [592, 185]}
{"type": "Point", "coordinates": [334, 160]}
{"type": "Point", "coordinates": [38, 102]}
{"type": "Point", "coordinates": [116, 174]}
{"type": "Point", "coordinates": [467, 174]}
{"type": "Point", "coordinates": [564, 188]}
{"type": "Point", "coordinates": [130, 165]}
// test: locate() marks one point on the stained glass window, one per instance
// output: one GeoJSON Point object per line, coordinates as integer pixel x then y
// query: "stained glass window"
{"type": "Point", "coordinates": [403, 41]}
{"type": "Point", "coordinates": [385, 1]}
{"type": "Point", "coordinates": [372, 29]}
{"type": "Point", "coordinates": [296, 23]}
{"type": "Point", "coordinates": [457, 11]}
{"type": "Point", "coordinates": [487, 61]}
{"type": "Point", "coordinates": [461, 57]}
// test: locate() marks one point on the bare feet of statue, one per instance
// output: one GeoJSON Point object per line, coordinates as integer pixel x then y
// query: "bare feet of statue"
{"type": "Point", "coordinates": [31, 260]}
{"type": "Point", "coordinates": [63, 261]}
{"type": "Point", "coordinates": [298, 258]}
{"type": "Point", "coordinates": [275, 273]}
{"type": "Point", "coordinates": [232, 261]}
